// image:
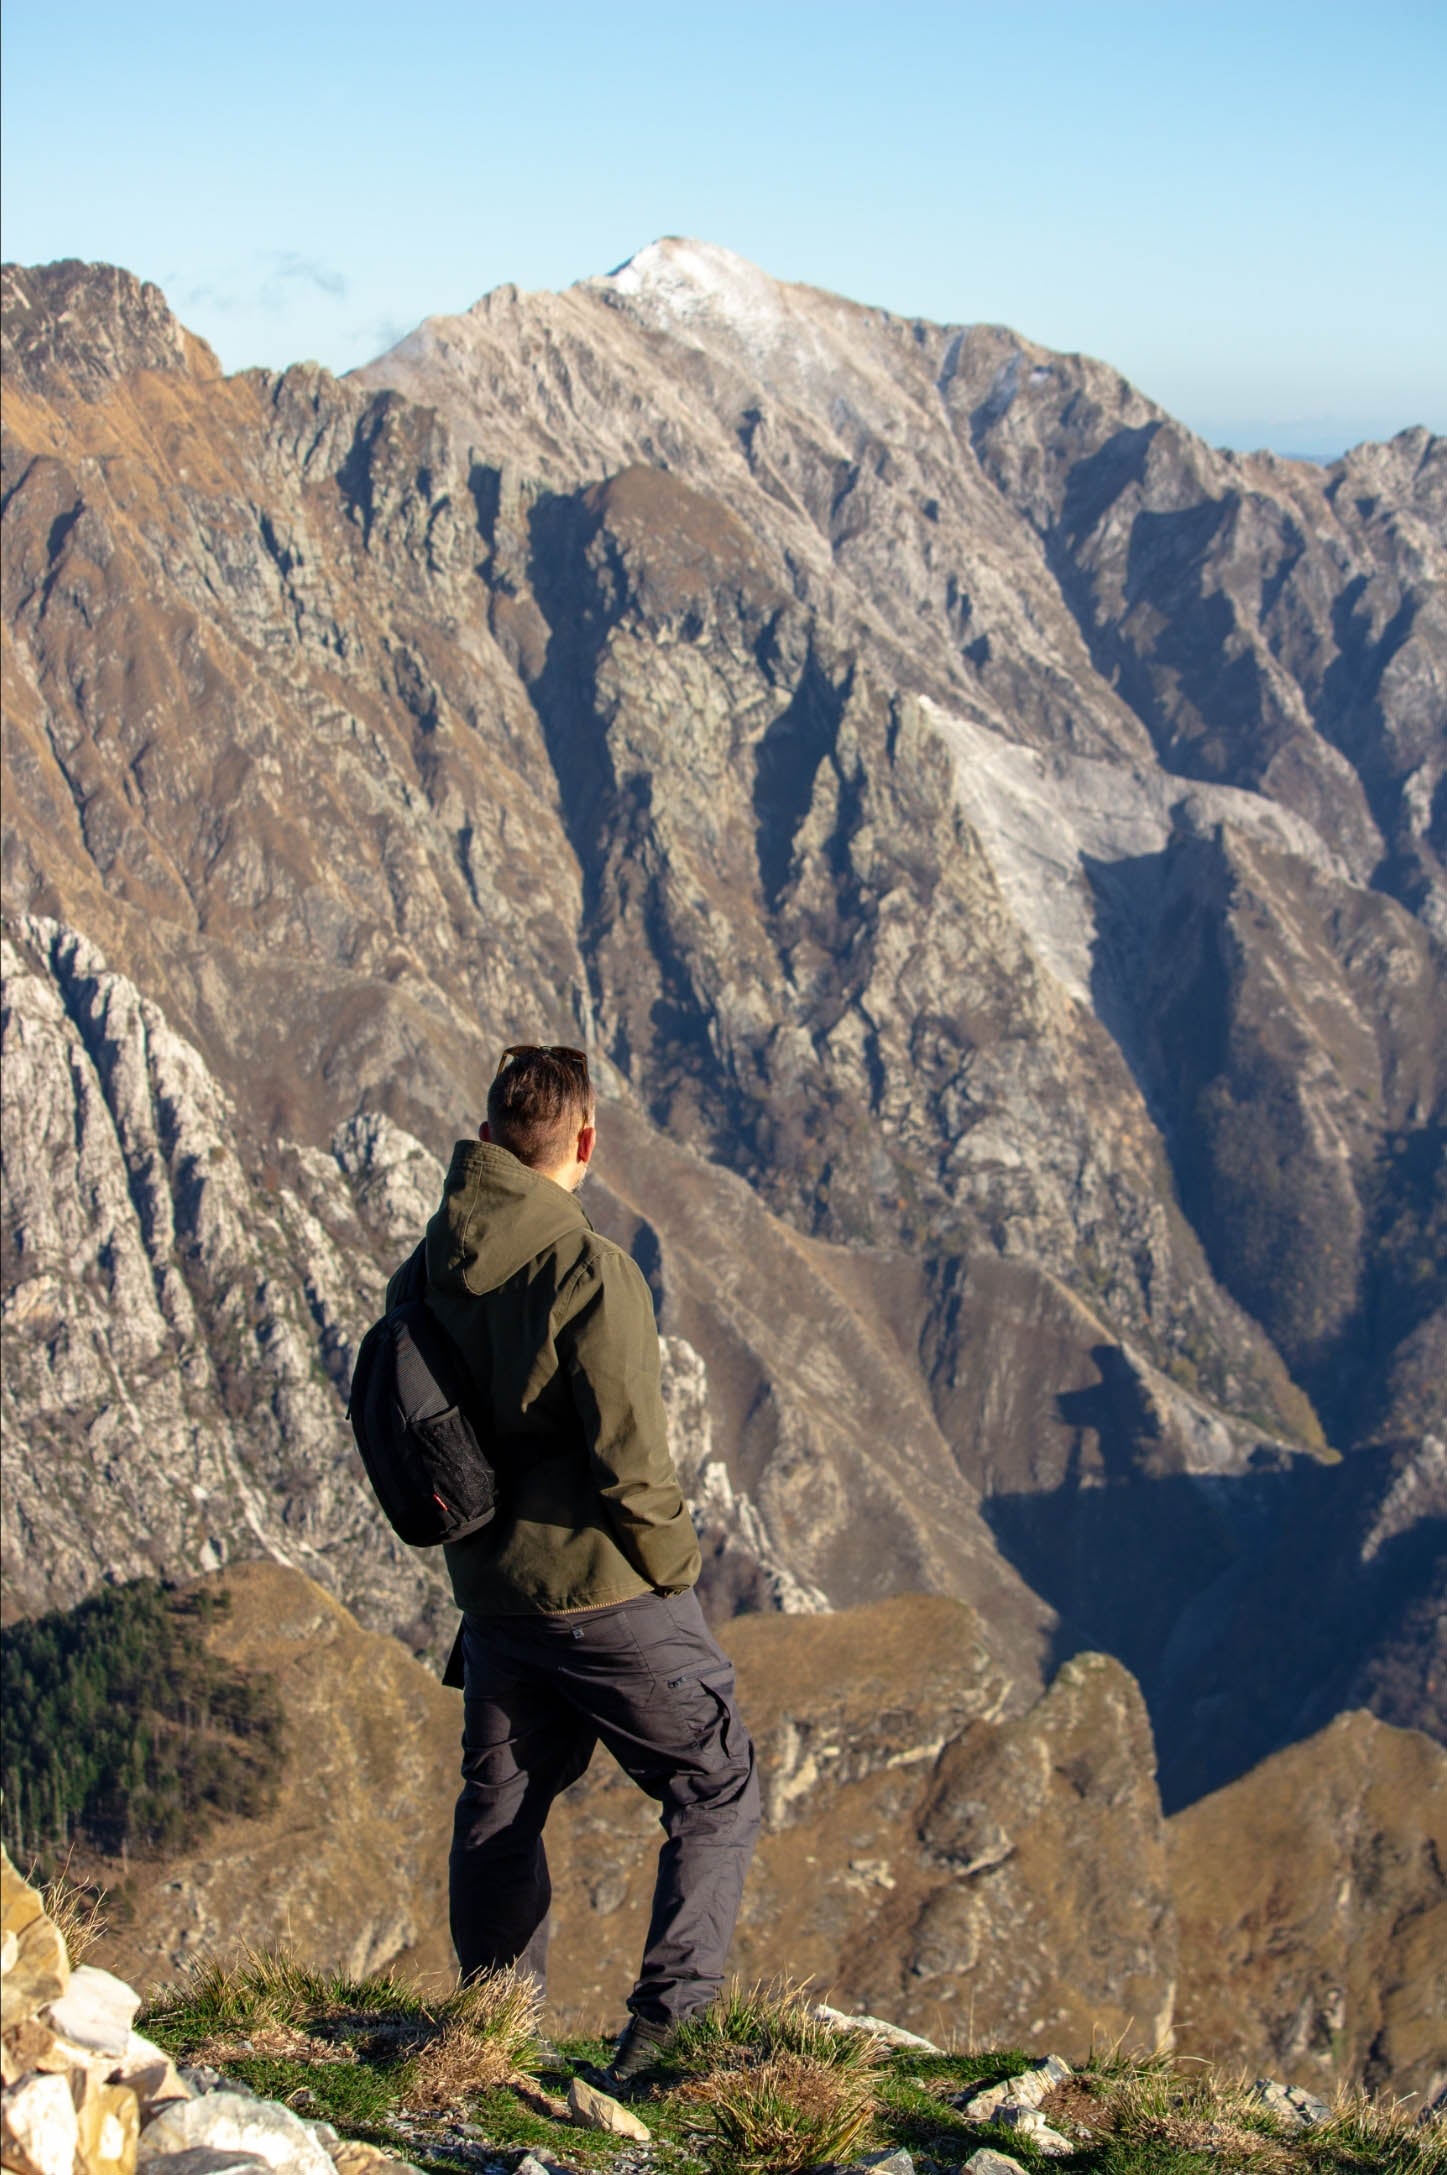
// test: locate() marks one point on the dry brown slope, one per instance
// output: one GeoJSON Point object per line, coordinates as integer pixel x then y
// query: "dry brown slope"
{"type": "Point", "coordinates": [1313, 1908]}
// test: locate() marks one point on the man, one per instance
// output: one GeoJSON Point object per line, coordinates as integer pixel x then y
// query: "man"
{"type": "Point", "coordinates": [580, 1623]}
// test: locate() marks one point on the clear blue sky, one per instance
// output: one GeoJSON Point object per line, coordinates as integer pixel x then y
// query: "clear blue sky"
{"type": "Point", "coordinates": [1243, 206]}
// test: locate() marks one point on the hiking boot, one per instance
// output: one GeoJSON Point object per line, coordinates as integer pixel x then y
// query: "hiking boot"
{"type": "Point", "coordinates": [636, 2055]}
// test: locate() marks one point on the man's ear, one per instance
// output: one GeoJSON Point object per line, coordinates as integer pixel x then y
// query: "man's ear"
{"type": "Point", "coordinates": [484, 1131]}
{"type": "Point", "coordinates": [587, 1140]}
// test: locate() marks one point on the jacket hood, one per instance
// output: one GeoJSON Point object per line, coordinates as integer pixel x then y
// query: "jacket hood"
{"type": "Point", "coordinates": [496, 1216]}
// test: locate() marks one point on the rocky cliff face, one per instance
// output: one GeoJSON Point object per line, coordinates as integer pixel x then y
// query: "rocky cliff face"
{"type": "Point", "coordinates": [993, 842]}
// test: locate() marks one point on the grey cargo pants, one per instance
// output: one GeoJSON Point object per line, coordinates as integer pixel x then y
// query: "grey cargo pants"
{"type": "Point", "coordinates": [646, 1678]}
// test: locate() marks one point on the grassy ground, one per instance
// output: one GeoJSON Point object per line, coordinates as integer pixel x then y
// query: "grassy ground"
{"type": "Point", "coordinates": [760, 2087]}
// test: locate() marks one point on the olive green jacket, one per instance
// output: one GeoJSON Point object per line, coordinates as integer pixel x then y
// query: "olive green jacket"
{"type": "Point", "coordinates": [556, 1326]}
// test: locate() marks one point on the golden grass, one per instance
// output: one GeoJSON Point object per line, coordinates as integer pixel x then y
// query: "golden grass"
{"type": "Point", "coordinates": [786, 2113]}
{"type": "Point", "coordinates": [454, 2065]}
{"type": "Point", "coordinates": [780, 2089]}
{"type": "Point", "coordinates": [78, 1913]}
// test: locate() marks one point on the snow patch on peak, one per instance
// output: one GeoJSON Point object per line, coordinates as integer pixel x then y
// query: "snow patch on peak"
{"type": "Point", "coordinates": [692, 279]}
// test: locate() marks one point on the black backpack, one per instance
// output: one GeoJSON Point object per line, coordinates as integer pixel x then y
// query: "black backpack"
{"type": "Point", "coordinates": [409, 1412]}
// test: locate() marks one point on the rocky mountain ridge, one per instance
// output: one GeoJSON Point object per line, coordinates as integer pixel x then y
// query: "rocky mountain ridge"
{"type": "Point", "coordinates": [992, 842]}
{"type": "Point", "coordinates": [926, 1855]}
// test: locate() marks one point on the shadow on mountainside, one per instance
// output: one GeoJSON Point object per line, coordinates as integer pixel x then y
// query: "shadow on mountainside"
{"type": "Point", "coordinates": [1340, 1258]}
{"type": "Point", "coordinates": [1251, 1607]}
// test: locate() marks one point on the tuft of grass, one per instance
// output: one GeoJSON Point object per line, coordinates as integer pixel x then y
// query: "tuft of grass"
{"type": "Point", "coordinates": [502, 2007]}
{"type": "Point", "coordinates": [77, 1912]}
{"type": "Point", "coordinates": [756, 2023]}
{"type": "Point", "coordinates": [1362, 2134]}
{"type": "Point", "coordinates": [779, 2088]}
{"type": "Point", "coordinates": [786, 2113]}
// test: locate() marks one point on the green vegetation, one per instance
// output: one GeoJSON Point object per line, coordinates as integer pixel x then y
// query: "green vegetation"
{"type": "Point", "coordinates": [121, 1730]}
{"type": "Point", "coordinates": [759, 2087]}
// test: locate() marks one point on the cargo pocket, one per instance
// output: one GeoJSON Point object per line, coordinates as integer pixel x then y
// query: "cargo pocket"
{"type": "Point", "coordinates": [706, 1697]}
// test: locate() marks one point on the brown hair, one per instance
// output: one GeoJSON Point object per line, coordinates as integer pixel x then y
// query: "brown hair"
{"type": "Point", "coordinates": [536, 1105]}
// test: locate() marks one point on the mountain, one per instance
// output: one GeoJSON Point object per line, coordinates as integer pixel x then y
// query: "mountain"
{"type": "Point", "coordinates": [993, 842]}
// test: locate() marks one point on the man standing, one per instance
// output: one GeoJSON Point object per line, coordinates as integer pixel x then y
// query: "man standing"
{"type": "Point", "coordinates": [580, 1623]}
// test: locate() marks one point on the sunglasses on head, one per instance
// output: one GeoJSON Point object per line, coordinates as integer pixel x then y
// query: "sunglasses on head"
{"type": "Point", "coordinates": [561, 1050]}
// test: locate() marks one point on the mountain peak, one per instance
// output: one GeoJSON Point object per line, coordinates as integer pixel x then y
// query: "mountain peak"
{"type": "Point", "coordinates": [75, 327]}
{"type": "Point", "coordinates": [688, 278]}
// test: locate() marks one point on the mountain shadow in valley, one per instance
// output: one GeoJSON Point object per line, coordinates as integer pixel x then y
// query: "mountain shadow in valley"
{"type": "Point", "coordinates": [1251, 1607]}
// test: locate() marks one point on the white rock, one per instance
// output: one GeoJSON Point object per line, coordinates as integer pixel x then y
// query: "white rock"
{"type": "Point", "coordinates": [96, 2011]}
{"type": "Point", "coordinates": [1290, 2103]}
{"type": "Point", "coordinates": [1032, 2124]}
{"type": "Point", "coordinates": [1026, 2090]}
{"type": "Point", "coordinates": [594, 2110]}
{"type": "Point", "coordinates": [989, 2162]}
{"type": "Point", "coordinates": [235, 2122]}
{"type": "Point", "coordinates": [40, 2126]}
{"type": "Point", "coordinates": [893, 2035]}
{"type": "Point", "coordinates": [150, 2073]}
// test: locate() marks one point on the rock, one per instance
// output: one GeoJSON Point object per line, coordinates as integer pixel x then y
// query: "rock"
{"type": "Point", "coordinates": [892, 2035]}
{"type": "Point", "coordinates": [350, 2156]}
{"type": "Point", "coordinates": [1436, 2107]}
{"type": "Point", "coordinates": [39, 1970]}
{"type": "Point", "coordinates": [1031, 2123]}
{"type": "Point", "coordinates": [209, 2160]}
{"type": "Point", "coordinates": [109, 2118]}
{"type": "Point", "coordinates": [898, 2162]}
{"type": "Point", "coordinates": [594, 2110]}
{"type": "Point", "coordinates": [542, 2103]}
{"type": "Point", "coordinates": [20, 1904]}
{"type": "Point", "coordinates": [1289, 2103]}
{"type": "Point", "coordinates": [96, 2011]}
{"type": "Point", "coordinates": [533, 2163]}
{"type": "Point", "coordinates": [39, 2126]}
{"type": "Point", "coordinates": [201, 2077]}
{"type": "Point", "coordinates": [150, 2073]}
{"type": "Point", "coordinates": [1026, 2090]}
{"type": "Point", "coordinates": [989, 2162]}
{"type": "Point", "coordinates": [233, 2121]}
{"type": "Point", "coordinates": [33, 2045]}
